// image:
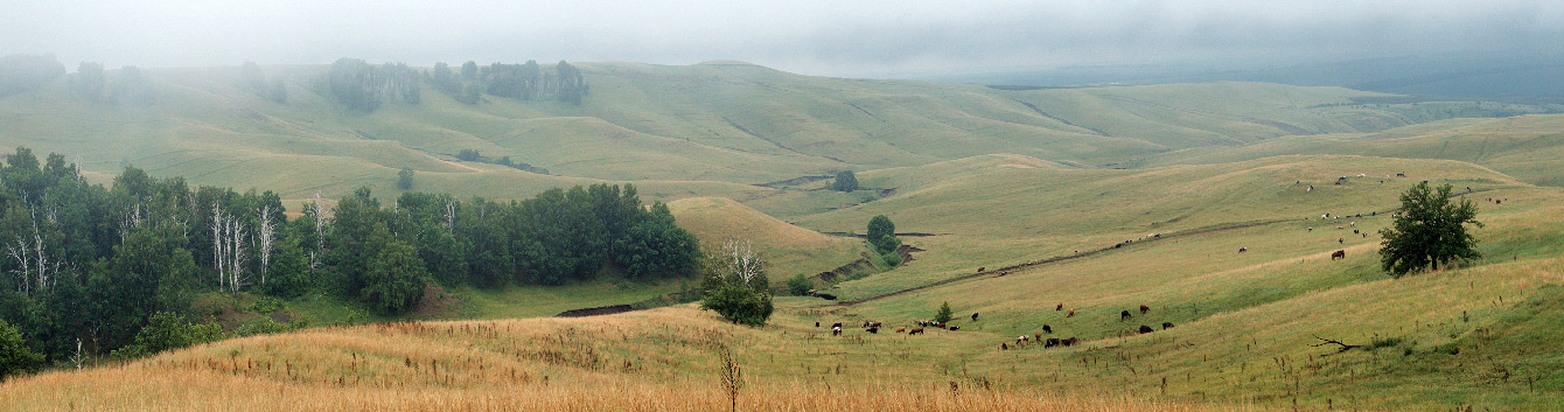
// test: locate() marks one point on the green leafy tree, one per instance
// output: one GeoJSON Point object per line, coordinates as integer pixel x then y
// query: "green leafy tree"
{"type": "Point", "coordinates": [846, 181]}
{"type": "Point", "coordinates": [882, 234]}
{"type": "Point", "coordinates": [167, 330]}
{"type": "Point", "coordinates": [90, 81]}
{"type": "Point", "coordinates": [799, 285]}
{"type": "Point", "coordinates": [15, 356]}
{"type": "Point", "coordinates": [394, 279]}
{"type": "Point", "coordinates": [404, 179]}
{"type": "Point", "coordinates": [944, 314]}
{"type": "Point", "coordinates": [735, 285]}
{"type": "Point", "coordinates": [1429, 231]}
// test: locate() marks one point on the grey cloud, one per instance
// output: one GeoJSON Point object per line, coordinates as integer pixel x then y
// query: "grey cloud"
{"type": "Point", "coordinates": [810, 36]}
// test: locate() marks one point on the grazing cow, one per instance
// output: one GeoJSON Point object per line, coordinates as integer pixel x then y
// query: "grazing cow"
{"type": "Point", "coordinates": [1070, 314]}
{"type": "Point", "coordinates": [836, 331]}
{"type": "Point", "coordinates": [974, 316]}
{"type": "Point", "coordinates": [1365, 235]}
{"type": "Point", "coordinates": [955, 328]}
{"type": "Point", "coordinates": [1003, 346]}
{"type": "Point", "coordinates": [1401, 175]}
{"type": "Point", "coordinates": [817, 324]}
{"type": "Point", "coordinates": [981, 269]}
{"type": "Point", "coordinates": [915, 331]}
{"type": "Point", "coordinates": [1059, 307]}
{"type": "Point", "coordinates": [826, 296]}
{"type": "Point", "coordinates": [1118, 245]}
{"type": "Point", "coordinates": [868, 324]}
{"type": "Point", "coordinates": [837, 325]}
{"type": "Point", "coordinates": [1341, 240]}
{"type": "Point", "coordinates": [1070, 342]}
{"type": "Point", "coordinates": [1022, 339]}
{"type": "Point", "coordinates": [1355, 231]}
{"type": "Point", "coordinates": [1311, 228]}
{"type": "Point", "coordinates": [1124, 314]}
{"type": "Point", "coordinates": [1339, 254]}
{"type": "Point", "coordinates": [1051, 342]}
{"type": "Point", "coordinates": [1242, 249]}
{"type": "Point", "coordinates": [1048, 329]}
{"type": "Point", "coordinates": [1037, 336]}
{"type": "Point", "coordinates": [1353, 224]}
{"type": "Point", "coordinates": [874, 330]}
{"type": "Point", "coordinates": [1167, 325]}
{"type": "Point", "coordinates": [1144, 309]}
{"type": "Point", "coordinates": [1145, 329]}
{"type": "Point", "coordinates": [901, 329]}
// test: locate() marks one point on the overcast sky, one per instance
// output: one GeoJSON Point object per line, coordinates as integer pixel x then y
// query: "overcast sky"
{"type": "Point", "coordinates": [874, 38]}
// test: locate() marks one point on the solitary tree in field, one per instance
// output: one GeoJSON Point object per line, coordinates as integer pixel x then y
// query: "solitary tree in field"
{"type": "Point", "coordinates": [846, 181]}
{"type": "Point", "coordinates": [1429, 231]}
{"type": "Point", "coordinates": [882, 234]}
{"type": "Point", "coordinates": [404, 179]}
{"type": "Point", "coordinates": [944, 314]}
{"type": "Point", "coordinates": [735, 284]}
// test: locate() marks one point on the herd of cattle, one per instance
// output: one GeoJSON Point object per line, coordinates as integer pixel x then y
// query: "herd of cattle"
{"type": "Point", "coordinates": [918, 327]}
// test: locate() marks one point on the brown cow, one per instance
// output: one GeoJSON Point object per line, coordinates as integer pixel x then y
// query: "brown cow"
{"type": "Point", "coordinates": [1071, 313]}
{"type": "Point", "coordinates": [901, 329]}
{"type": "Point", "coordinates": [1145, 329]}
{"type": "Point", "coordinates": [1059, 307]}
{"type": "Point", "coordinates": [1144, 309]}
{"type": "Point", "coordinates": [982, 268]}
{"type": "Point", "coordinates": [1339, 254]}
{"type": "Point", "coordinates": [915, 331]}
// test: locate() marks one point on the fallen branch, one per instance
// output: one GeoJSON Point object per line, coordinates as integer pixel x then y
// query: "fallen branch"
{"type": "Point", "coordinates": [1323, 342]}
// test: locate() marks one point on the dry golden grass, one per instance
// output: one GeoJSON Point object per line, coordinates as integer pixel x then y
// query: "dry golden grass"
{"type": "Point", "coordinates": [655, 361]}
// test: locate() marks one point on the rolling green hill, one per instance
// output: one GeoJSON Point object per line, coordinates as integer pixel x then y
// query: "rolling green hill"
{"type": "Point", "coordinates": [1098, 199]}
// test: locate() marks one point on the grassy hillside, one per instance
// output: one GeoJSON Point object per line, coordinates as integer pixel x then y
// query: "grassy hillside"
{"type": "Point", "coordinates": [1526, 147]}
{"type": "Point", "coordinates": [1099, 199]}
{"type": "Point", "coordinates": [662, 126]}
{"type": "Point", "coordinates": [788, 249]}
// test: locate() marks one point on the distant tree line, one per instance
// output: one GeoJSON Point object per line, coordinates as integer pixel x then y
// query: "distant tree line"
{"type": "Point", "coordinates": [131, 85]}
{"type": "Point", "coordinates": [94, 269]}
{"type": "Point", "coordinates": [253, 79]}
{"type": "Point", "coordinates": [361, 86]}
{"type": "Point", "coordinates": [472, 155]}
{"type": "Point", "coordinates": [22, 73]}
{"type": "Point", "coordinates": [527, 81]}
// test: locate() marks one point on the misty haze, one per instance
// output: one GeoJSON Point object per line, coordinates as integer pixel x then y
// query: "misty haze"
{"type": "Point", "coordinates": [701, 205]}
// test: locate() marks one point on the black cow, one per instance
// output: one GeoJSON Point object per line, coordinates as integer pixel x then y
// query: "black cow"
{"type": "Point", "coordinates": [1145, 329]}
{"type": "Point", "coordinates": [974, 316]}
{"type": "Point", "coordinates": [1125, 314]}
{"type": "Point", "coordinates": [875, 329]}
{"type": "Point", "coordinates": [955, 328]}
{"type": "Point", "coordinates": [1047, 329]}
{"type": "Point", "coordinates": [1242, 249]}
{"type": "Point", "coordinates": [837, 325]}
{"type": "Point", "coordinates": [1051, 342]}
{"type": "Point", "coordinates": [836, 331]}
{"type": "Point", "coordinates": [1167, 325]}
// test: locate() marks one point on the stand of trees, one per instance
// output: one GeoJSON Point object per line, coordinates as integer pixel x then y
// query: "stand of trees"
{"type": "Point", "coordinates": [364, 87]}
{"type": "Point", "coordinates": [23, 73]}
{"type": "Point", "coordinates": [85, 268]}
{"type": "Point", "coordinates": [527, 81]}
